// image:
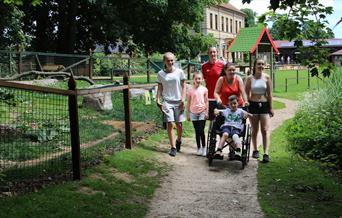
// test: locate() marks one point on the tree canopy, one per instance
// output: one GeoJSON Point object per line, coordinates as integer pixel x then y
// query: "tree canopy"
{"type": "Point", "coordinates": [250, 17]}
{"type": "Point", "coordinates": [69, 26]}
{"type": "Point", "coordinates": [305, 19]}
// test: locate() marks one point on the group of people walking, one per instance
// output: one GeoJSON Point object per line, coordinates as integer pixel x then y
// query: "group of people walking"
{"type": "Point", "coordinates": [223, 88]}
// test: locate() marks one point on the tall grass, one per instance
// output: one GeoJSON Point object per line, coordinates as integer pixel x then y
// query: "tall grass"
{"type": "Point", "coordinates": [315, 131]}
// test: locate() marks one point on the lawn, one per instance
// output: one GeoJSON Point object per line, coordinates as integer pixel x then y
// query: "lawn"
{"type": "Point", "coordinates": [121, 186]}
{"type": "Point", "coordinates": [294, 90]}
{"type": "Point", "coordinates": [290, 186]}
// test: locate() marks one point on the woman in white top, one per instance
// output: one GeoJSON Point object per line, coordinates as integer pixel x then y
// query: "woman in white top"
{"type": "Point", "coordinates": [171, 89]}
{"type": "Point", "coordinates": [259, 92]}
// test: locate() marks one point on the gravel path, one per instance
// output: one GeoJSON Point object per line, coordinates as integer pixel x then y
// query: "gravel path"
{"type": "Point", "coordinates": [192, 189]}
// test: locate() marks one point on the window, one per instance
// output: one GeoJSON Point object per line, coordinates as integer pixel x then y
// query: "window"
{"type": "Point", "coordinates": [239, 25]}
{"type": "Point", "coordinates": [231, 25]}
{"type": "Point", "coordinates": [222, 23]}
{"type": "Point", "coordinates": [236, 27]}
{"type": "Point", "coordinates": [216, 26]}
{"type": "Point", "coordinates": [227, 24]}
{"type": "Point", "coordinates": [211, 20]}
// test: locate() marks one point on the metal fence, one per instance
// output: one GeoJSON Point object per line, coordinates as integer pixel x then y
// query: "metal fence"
{"type": "Point", "coordinates": [94, 65]}
{"type": "Point", "coordinates": [48, 134]}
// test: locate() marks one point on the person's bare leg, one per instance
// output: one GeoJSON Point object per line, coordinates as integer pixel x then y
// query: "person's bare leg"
{"type": "Point", "coordinates": [264, 127]}
{"type": "Point", "coordinates": [179, 131]}
{"type": "Point", "coordinates": [255, 128]}
{"type": "Point", "coordinates": [170, 134]}
{"type": "Point", "coordinates": [222, 140]}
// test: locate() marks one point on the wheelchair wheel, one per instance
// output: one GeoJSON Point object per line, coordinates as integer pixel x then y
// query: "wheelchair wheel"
{"type": "Point", "coordinates": [211, 145]}
{"type": "Point", "coordinates": [246, 147]}
{"type": "Point", "coordinates": [209, 134]}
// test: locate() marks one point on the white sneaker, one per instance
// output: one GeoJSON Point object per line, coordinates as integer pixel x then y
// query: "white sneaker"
{"type": "Point", "coordinates": [199, 152]}
{"type": "Point", "coordinates": [204, 152]}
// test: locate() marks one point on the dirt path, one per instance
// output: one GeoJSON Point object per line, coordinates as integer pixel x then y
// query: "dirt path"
{"type": "Point", "coordinates": [193, 189]}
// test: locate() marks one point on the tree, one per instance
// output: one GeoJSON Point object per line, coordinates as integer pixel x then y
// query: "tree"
{"type": "Point", "coordinates": [306, 19]}
{"type": "Point", "coordinates": [70, 26]}
{"type": "Point", "coordinates": [11, 27]}
{"type": "Point", "coordinates": [250, 17]}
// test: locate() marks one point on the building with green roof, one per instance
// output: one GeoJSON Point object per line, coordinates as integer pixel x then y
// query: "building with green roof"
{"type": "Point", "coordinates": [253, 41]}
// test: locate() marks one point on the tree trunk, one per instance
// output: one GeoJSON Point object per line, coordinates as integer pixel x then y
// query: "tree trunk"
{"type": "Point", "coordinates": [42, 38]}
{"type": "Point", "coordinates": [67, 26]}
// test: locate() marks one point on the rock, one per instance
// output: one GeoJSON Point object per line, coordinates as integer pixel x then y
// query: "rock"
{"type": "Point", "coordinates": [40, 82]}
{"type": "Point", "coordinates": [99, 101]}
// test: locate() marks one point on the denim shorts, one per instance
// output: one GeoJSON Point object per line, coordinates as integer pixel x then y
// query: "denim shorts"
{"type": "Point", "coordinates": [196, 117]}
{"type": "Point", "coordinates": [173, 112]}
{"type": "Point", "coordinates": [230, 130]}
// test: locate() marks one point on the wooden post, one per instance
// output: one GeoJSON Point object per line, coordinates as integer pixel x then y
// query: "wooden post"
{"type": "Point", "coordinates": [309, 78]}
{"type": "Point", "coordinates": [250, 63]}
{"type": "Point", "coordinates": [256, 52]}
{"type": "Point", "coordinates": [189, 65]}
{"type": "Point", "coordinates": [148, 70]}
{"type": "Point", "coordinates": [19, 61]}
{"type": "Point", "coordinates": [129, 66]}
{"type": "Point", "coordinates": [74, 131]}
{"type": "Point", "coordinates": [297, 75]}
{"type": "Point", "coordinates": [90, 66]}
{"type": "Point", "coordinates": [271, 66]}
{"type": "Point", "coordinates": [285, 84]}
{"type": "Point", "coordinates": [127, 107]}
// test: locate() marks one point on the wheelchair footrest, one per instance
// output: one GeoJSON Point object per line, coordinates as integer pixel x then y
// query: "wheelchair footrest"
{"type": "Point", "coordinates": [218, 156]}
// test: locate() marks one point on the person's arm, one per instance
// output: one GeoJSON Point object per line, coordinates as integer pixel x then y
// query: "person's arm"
{"type": "Point", "coordinates": [206, 100]}
{"type": "Point", "coordinates": [242, 91]}
{"type": "Point", "coordinates": [248, 87]}
{"type": "Point", "coordinates": [269, 95]}
{"type": "Point", "coordinates": [218, 89]}
{"type": "Point", "coordinates": [159, 91]}
{"type": "Point", "coordinates": [188, 106]}
{"type": "Point", "coordinates": [183, 94]}
{"type": "Point", "coordinates": [246, 114]}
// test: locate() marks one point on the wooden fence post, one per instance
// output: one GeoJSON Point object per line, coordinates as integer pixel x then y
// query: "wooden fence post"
{"type": "Point", "coordinates": [308, 78]}
{"type": "Point", "coordinates": [189, 68]}
{"type": "Point", "coordinates": [285, 84]}
{"type": "Point", "coordinates": [127, 106]}
{"type": "Point", "coordinates": [19, 59]}
{"type": "Point", "coordinates": [74, 131]}
{"type": "Point", "coordinates": [297, 77]}
{"type": "Point", "coordinates": [90, 67]}
{"type": "Point", "coordinates": [148, 70]}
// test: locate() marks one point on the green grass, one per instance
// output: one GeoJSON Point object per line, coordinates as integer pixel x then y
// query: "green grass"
{"type": "Point", "coordinates": [294, 90]}
{"type": "Point", "coordinates": [278, 105]}
{"type": "Point", "coordinates": [290, 186]}
{"type": "Point", "coordinates": [121, 186]}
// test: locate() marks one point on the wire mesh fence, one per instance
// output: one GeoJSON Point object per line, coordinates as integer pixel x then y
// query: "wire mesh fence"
{"type": "Point", "coordinates": [34, 136]}
{"type": "Point", "coordinates": [35, 130]}
{"type": "Point", "coordinates": [94, 65]}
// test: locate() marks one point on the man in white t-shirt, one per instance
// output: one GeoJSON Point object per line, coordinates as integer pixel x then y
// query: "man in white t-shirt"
{"type": "Point", "coordinates": [171, 87]}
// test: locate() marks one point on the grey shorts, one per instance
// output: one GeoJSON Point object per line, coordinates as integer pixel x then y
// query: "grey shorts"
{"type": "Point", "coordinates": [196, 117]}
{"type": "Point", "coordinates": [172, 112]}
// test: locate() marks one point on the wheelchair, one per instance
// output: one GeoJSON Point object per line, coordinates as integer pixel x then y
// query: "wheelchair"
{"type": "Point", "coordinates": [214, 130]}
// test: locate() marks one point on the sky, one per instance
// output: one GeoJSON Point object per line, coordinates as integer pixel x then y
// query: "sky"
{"type": "Point", "coordinates": [260, 6]}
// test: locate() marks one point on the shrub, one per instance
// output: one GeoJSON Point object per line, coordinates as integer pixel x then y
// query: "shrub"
{"type": "Point", "coordinates": [316, 130]}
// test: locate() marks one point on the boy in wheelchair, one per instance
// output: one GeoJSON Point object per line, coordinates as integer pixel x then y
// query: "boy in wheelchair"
{"type": "Point", "coordinates": [231, 128]}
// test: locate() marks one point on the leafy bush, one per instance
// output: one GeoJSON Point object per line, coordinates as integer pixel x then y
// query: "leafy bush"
{"type": "Point", "coordinates": [316, 130]}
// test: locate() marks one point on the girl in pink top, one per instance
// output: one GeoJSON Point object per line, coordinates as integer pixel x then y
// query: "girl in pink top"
{"type": "Point", "coordinates": [198, 110]}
